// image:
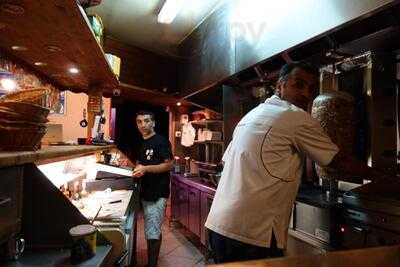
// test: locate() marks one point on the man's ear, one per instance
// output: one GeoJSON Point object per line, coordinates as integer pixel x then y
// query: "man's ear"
{"type": "Point", "coordinates": [278, 88]}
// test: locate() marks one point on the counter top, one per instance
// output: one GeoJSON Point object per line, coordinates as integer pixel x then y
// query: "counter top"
{"type": "Point", "coordinates": [307, 194]}
{"type": "Point", "coordinates": [48, 153]}
{"type": "Point", "coordinates": [197, 182]}
{"type": "Point", "coordinates": [317, 197]}
{"type": "Point", "coordinates": [114, 205]}
{"type": "Point", "coordinates": [378, 256]}
{"type": "Point", "coordinates": [60, 257]}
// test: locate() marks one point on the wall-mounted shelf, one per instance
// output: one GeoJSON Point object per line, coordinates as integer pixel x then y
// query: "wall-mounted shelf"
{"type": "Point", "coordinates": [57, 34]}
{"type": "Point", "coordinates": [206, 122]}
{"type": "Point", "coordinates": [46, 154]}
{"type": "Point", "coordinates": [209, 142]}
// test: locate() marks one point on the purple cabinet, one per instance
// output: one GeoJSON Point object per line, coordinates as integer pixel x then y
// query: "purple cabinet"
{"type": "Point", "coordinates": [205, 205]}
{"type": "Point", "coordinates": [194, 210]}
{"type": "Point", "coordinates": [175, 200]}
{"type": "Point", "coordinates": [184, 205]}
{"type": "Point", "coordinates": [190, 203]}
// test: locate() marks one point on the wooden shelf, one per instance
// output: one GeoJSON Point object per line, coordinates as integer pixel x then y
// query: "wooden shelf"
{"type": "Point", "coordinates": [207, 122]}
{"type": "Point", "coordinates": [209, 142]}
{"type": "Point", "coordinates": [40, 25]}
{"type": "Point", "coordinates": [48, 153]}
{"type": "Point", "coordinates": [148, 96]}
{"type": "Point", "coordinates": [153, 97]}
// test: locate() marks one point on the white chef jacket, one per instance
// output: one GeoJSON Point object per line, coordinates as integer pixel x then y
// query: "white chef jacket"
{"type": "Point", "coordinates": [188, 134]}
{"type": "Point", "coordinates": [262, 172]}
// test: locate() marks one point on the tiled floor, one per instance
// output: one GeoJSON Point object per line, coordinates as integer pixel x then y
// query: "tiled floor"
{"type": "Point", "coordinates": [176, 250]}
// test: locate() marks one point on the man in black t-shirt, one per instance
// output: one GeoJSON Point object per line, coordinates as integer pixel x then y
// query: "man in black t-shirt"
{"type": "Point", "coordinates": [152, 167]}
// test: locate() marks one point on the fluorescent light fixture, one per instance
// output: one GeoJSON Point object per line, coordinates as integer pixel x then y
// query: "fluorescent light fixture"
{"type": "Point", "coordinates": [18, 48]}
{"type": "Point", "coordinates": [73, 70]}
{"type": "Point", "coordinates": [169, 11]}
{"type": "Point", "coordinates": [40, 64]}
{"type": "Point", "coordinates": [8, 84]}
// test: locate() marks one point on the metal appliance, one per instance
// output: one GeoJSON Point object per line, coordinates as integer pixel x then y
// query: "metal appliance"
{"type": "Point", "coordinates": [316, 218]}
{"type": "Point", "coordinates": [372, 215]}
{"type": "Point", "coordinates": [11, 246]}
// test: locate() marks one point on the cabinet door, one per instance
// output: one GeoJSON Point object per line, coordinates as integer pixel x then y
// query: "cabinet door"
{"type": "Point", "coordinates": [11, 180]}
{"type": "Point", "coordinates": [183, 205]}
{"type": "Point", "coordinates": [175, 188]}
{"type": "Point", "coordinates": [205, 206]}
{"type": "Point", "coordinates": [194, 211]}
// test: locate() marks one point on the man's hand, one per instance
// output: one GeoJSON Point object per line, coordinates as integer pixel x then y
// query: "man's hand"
{"type": "Point", "coordinates": [139, 171]}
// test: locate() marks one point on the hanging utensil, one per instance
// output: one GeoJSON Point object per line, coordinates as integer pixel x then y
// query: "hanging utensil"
{"type": "Point", "coordinates": [84, 123]}
{"type": "Point", "coordinates": [97, 214]}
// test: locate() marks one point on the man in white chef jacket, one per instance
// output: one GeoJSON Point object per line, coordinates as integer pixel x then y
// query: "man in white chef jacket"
{"type": "Point", "coordinates": [263, 164]}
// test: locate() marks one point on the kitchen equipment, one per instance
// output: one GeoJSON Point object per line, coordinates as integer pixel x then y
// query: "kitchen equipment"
{"type": "Point", "coordinates": [316, 218]}
{"type": "Point", "coordinates": [83, 123]}
{"type": "Point", "coordinates": [187, 164]}
{"type": "Point", "coordinates": [11, 183]}
{"type": "Point", "coordinates": [13, 249]}
{"type": "Point", "coordinates": [177, 165]}
{"type": "Point", "coordinates": [84, 245]}
{"type": "Point", "coordinates": [81, 141]}
{"type": "Point", "coordinates": [372, 214]}
{"type": "Point", "coordinates": [336, 113]}
{"type": "Point", "coordinates": [97, 214]}
{"type": "Point", "coordinates": [194, 169]}
{"type": "Point", "coordinates": [214, 178]}
{"type": "Point", "coordinates": [212, 135]}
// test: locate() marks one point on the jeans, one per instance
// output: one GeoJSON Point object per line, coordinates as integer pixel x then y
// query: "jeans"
{"type": "Point", "coordinates": [225, 249]}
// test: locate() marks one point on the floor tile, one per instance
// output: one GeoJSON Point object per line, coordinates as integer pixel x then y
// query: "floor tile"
{"type": "Point", "coordinates": [200, 264]}
{"type": "Point", "coordinates": [172, 261]}
{"type": "Point", "coordinates": [188, 251]}
{"type": "Point", "coordinates": [176, 250]}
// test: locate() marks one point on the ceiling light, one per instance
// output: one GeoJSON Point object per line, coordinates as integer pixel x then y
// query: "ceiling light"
{"type": "Point", "coordinates": [19, 48]}
{"type": "Point", "coordinates": [40, 64]}
{"type": "Point", "coordinates": [73, 70]}
{"type": "Point", "coordinates": [53, 48]}
{"type": "Point", "coordinates": [169, 11]}
{"type": "Point", "coordinates": [8, 84]}
{"type": "Point", "coordinates": [178, 104]}
{"type": "Point", "coordinates": [7, 81]}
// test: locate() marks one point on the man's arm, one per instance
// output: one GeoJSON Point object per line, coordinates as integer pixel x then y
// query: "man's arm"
{"type": "Point", "coordinates": [355, 168]}
{"type": "Point", "coordinates": [140, 170]}
{"type": "Point", "coordinates": [160, 168]}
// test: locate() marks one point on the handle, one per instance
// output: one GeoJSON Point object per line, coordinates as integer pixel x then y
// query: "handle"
{"type": "Point", "coordinates": [4, 201]}
{"type": "Point", "coordinates": [20, 245]}
{"type": "Point", "coordinates": [359, 229]}
{"type": "Point", "coordinates": [120, 260]}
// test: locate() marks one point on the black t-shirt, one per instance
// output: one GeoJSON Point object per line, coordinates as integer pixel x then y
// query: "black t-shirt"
{"type": "Point", "coordinates": [154, 151]}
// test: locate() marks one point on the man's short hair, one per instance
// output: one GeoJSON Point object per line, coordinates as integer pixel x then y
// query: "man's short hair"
{"type": "Point", "coordinates": [289, 67]}
{"type": "Point", "coordinates": [146, 112]}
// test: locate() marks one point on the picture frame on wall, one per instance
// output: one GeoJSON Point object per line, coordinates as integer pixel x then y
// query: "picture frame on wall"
{"type": "Point", "coordinates": [58, 108]}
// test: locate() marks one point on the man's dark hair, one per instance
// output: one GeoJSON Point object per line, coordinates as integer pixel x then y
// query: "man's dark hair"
{"type": "Point", "coordinates": [146, 112]}
{"type": "Point", "coordinates": [289, 67]}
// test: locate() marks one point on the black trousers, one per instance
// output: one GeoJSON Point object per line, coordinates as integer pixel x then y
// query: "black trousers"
{"type": "Point", "coordinates": [225, 249]}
